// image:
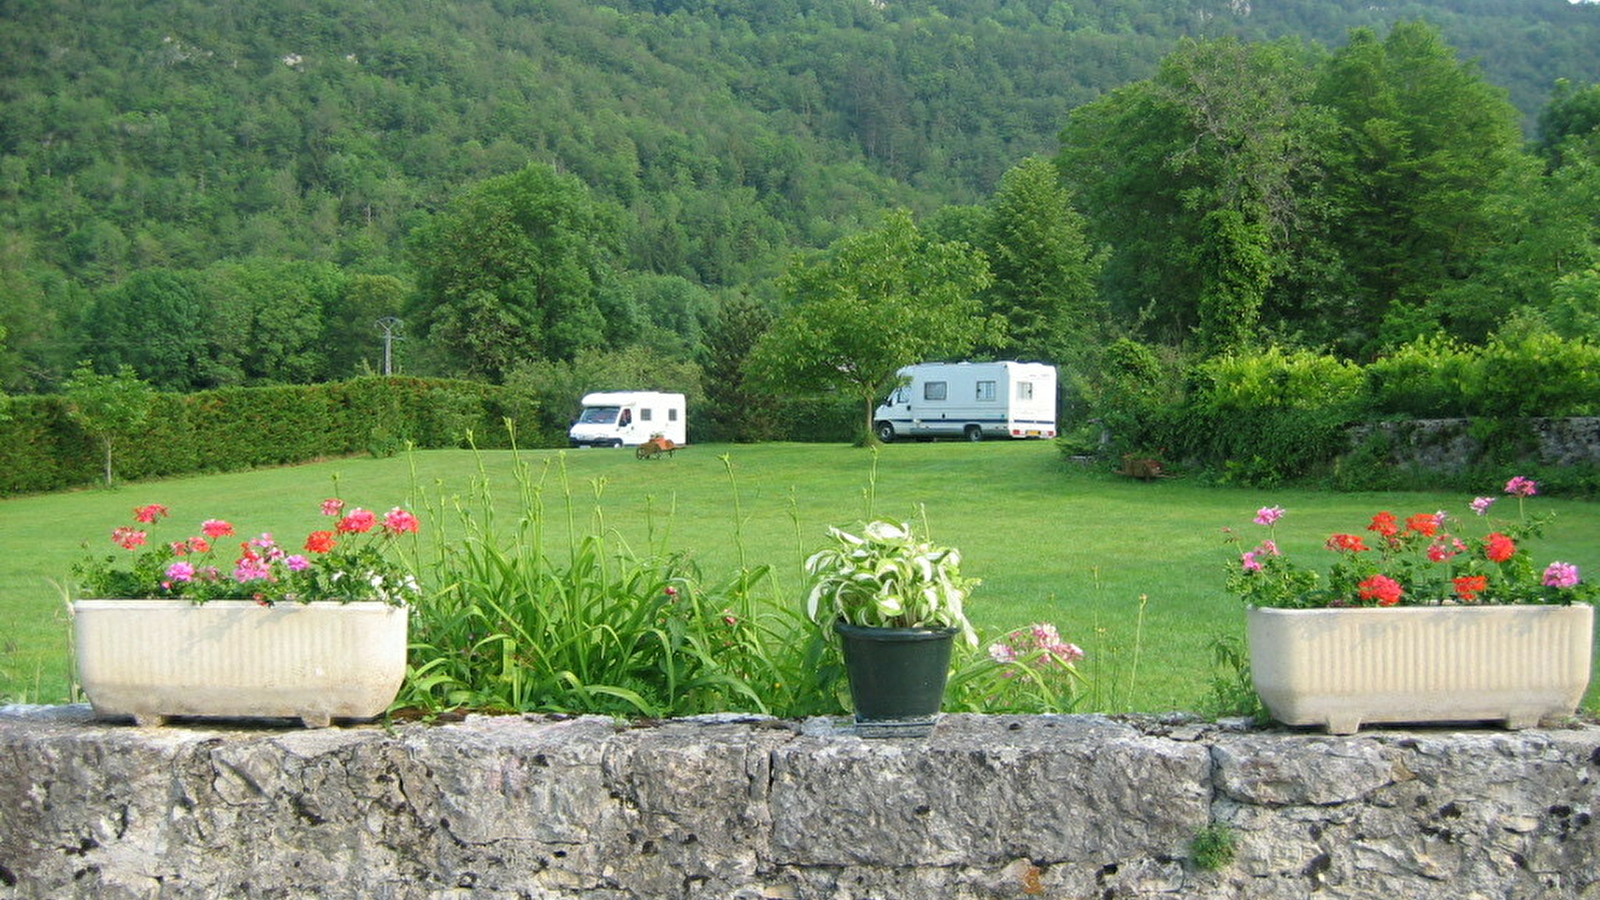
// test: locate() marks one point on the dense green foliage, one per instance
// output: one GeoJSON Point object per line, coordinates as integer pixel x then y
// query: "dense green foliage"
{"type": "Point", "coordinates": [1267, 416]}
{"type": "Point", "coordinates": [222, 195]}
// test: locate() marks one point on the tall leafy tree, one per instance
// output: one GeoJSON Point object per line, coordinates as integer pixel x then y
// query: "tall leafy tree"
{"type": "Point", "coordinates": [511, 271]}
{"type": "Point", "coordinates": [1200, 178]}
{"type": "Point", "coordinates": [1046, 274]}
{"type": "Point", "coordinates": [155, 323]}
{"type": "Point", "coordinates": [1425, 147]}
{"type": "Point", "coordinates": [871, 304]}
{"type": "Point", "coordinates": [266, 319]}
{"type": "Point", "coordinates": [1570, 123]}
{"type": "Point", "coordinates": [736, 409]}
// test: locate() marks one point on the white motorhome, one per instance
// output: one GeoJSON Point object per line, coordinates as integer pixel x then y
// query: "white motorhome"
{"type": "Point", "coordinates": [970, 400]}
{"type": "Point", "coordinates": [618, 418]}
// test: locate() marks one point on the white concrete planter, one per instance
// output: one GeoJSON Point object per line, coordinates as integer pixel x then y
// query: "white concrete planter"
{"type": "Point", "coordinates": [151, 659]}
{"type": "Point", "coordinates": [1340, 668]}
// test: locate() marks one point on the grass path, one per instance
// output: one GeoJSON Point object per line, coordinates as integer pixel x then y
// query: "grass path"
{"type": "Point", "coordinates": [1128, 570]}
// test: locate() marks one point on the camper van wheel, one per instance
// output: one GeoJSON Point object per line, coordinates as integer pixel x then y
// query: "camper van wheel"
{"type": "Point", "coordinates": [616, 443]}
{"type": "Point", "coordinates": [886, 432]}
{"type": "Point", "coordinates": [974, 433]}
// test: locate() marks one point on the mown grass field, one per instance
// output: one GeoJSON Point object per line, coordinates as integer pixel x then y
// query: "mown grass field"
{"type": "Point", "coordinates": [1130, 571]}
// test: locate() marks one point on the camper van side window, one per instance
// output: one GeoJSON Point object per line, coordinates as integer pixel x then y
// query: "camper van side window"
{"type": "Point", "coordinates": [1024, 390]}
{"type": "Point", "coordinates": [644, 414]}
{"type": "Point", "coordinates": [672, 415]}
{"type": "Point", "coordinates": [985, 390]}
{"type": "Point", "coordinates": [935, 390]}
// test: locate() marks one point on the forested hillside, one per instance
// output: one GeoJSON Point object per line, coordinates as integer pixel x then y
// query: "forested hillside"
{"type": "Point", "coordinates": [246, 185]}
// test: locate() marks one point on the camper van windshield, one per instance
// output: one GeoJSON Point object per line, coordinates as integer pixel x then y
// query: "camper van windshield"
{"type": "Point", "coordinates": [599, 415]}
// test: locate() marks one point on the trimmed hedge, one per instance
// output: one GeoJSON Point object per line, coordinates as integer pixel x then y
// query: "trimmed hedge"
{"type": "Point", "coordinates": [230, 429]}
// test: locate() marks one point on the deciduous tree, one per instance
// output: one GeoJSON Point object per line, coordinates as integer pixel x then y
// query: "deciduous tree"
{"type": "Point", "coordinates": [871, 304]}
{"type": "Point", "coordinates": [510, 271]}
{"type": "Point", "coordinates": [109, 407]}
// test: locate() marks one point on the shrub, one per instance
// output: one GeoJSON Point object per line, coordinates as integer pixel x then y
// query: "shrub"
{"type": "Point", "coordinates": [1426, 378]}
{"type": "Point", "coordinates": [1535, 374]}
{"type": "Point", "coordinates": [1128, 397]}
{"type": "Point", "coordinates": [1267, 416]}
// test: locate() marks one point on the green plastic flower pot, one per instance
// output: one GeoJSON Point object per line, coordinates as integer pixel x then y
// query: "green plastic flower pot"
{"type": "Point", "coordinates": [897, 677]}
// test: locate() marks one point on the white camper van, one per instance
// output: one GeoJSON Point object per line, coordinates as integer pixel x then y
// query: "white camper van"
{"type": "Point", "coordinates": [616, 418]}
{"type": "Point", "coordinates": [970, 400]}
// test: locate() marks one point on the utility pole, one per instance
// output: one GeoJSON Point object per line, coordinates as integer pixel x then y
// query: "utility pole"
{"type": "Point", "coordinates": [390, 326]}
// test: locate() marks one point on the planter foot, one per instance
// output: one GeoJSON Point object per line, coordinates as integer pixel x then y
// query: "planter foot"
{"type": "Point", "coordinates": [1343, 724]}
{"type": "Point", "coordinates": [316, 720]}
{"type": "Point", "coordinates": [1519, 719]}
{"type": "Point", "coordinates": [149, 720]}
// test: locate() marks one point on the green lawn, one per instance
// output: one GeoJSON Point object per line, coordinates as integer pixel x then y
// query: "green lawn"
{"type": "Point", "coordinates": [1131, 571]}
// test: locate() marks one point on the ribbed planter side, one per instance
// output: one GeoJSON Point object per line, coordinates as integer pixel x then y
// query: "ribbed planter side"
{"type": "Point", "coordinates": [1340, 668]}
{"type": "Point", "coordinates": [151, 659]}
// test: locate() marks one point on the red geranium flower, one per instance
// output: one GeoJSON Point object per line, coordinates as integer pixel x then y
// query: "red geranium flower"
{"type": "Point", "coordinates": [1351, 543]}
{"type": "Point", "coordinates": [1425, 524]}
{"type": "Point", "coordinates": [1468, 587]}
{"type": "Point", "coordinates": [149, 513]}
{"type": "Point", "coordinates": [1498, 548]}
{"type": "Point", "coordinates": [1385, 590]}
{"type": "Point", "coordinates": [320, 542]}
{"type": "Point", "coordinates": [1385, 524]}
{"type": "Point", "coordinates": [127, 537]}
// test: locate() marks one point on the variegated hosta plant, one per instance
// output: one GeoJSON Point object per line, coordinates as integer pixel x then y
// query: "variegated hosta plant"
{"type": "Point", "coordinates": [888, 577]}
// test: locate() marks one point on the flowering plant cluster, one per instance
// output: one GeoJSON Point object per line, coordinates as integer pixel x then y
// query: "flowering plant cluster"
{"type": "Point", "coordinates": [352, 559]}
{"type": "Point", "coordinates": [887, 577]}
{"type": "Point", "coordinates": [1039, 646]}
{"type": "Point", "coordinates": [1424, 559]}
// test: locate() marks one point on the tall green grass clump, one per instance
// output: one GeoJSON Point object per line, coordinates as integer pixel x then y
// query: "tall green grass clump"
{"type": "Point", "coordinates": [523, 615]}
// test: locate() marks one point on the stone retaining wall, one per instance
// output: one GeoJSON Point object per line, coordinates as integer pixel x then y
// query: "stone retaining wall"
{"type": "Point", "coordinates": [1449, 445]}
{"type": "Point", "coordinates": [517, 808]}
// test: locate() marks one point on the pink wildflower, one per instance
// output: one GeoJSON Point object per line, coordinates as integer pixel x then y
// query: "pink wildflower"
{"type": "Point", "coordinates": [1480, 505]}
{"type": "Point", "coordinates": [297, 563]}
{"type": "Point", "coordinates": [1002, 653]}
{"type": "Point", "coordinates": [180, 571]}
{"type": "Point", "coordinates": [332, 506]}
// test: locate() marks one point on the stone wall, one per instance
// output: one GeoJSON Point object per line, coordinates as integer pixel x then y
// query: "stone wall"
{"type": "Point", "coordinates": [1449, 445]}
{"type": "Point", "coordinates": [742, 809]}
